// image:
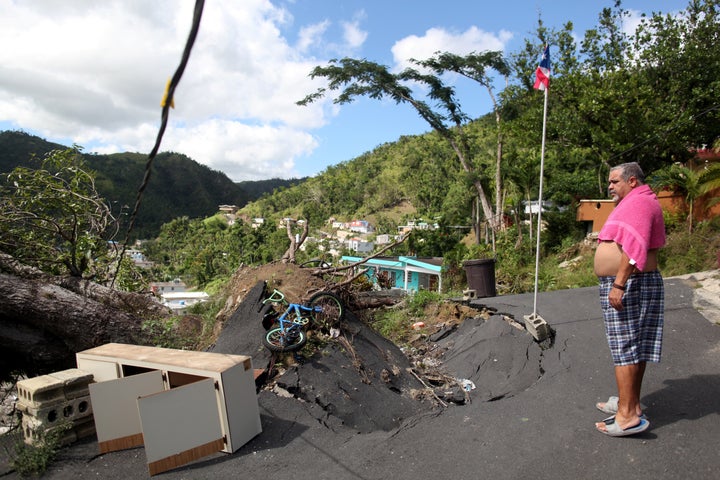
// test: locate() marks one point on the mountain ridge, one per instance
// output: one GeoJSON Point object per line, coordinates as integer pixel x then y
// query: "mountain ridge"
{"type": "Point", "coordinates": [178, 186]}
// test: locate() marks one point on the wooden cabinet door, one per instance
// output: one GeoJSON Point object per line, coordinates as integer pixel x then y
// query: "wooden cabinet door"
{"type": "Point", "coordinates": [114, 403]}
{"type": "Point", "coordinates": [180, 425]}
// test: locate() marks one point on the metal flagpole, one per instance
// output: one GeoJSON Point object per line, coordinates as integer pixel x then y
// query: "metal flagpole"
{"type": "Point", "coordinates": [534, 323]}
{"type": "Point", "coordinates": [540, 206]}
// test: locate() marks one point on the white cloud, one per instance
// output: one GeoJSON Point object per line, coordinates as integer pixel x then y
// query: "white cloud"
{"type": "Point", "coordinates": [244, 151]}
{"type": "Point", "coordinates": [438, 39]}
{"type": "Point", "coordinates": [631, 22]}
{"type": "Point", "coordinates": [353, 35]}
{"type": "Point", "coordinates": [311, 35]}
{"type": "Point", "coordinates": [94, 72]}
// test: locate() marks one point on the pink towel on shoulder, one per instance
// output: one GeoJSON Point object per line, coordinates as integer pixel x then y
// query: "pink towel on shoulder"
{"type": "Point", "coordinates": [636, 224]}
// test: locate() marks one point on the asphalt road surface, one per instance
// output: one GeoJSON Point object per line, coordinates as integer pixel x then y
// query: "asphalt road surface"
{"type": "Point", "coordinates": [545, 431]}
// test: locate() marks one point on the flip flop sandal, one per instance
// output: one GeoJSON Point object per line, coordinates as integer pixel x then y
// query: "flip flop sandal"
{"type": "Point", "coordinates": [614, 430]}
{"type": "Point", "coordinates": [610, 407]}
{"type": "Point", "coordinates": [611, 419]}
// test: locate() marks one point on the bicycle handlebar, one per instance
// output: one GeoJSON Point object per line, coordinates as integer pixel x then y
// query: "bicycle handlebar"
{"type": "Point", "coordinates": [276, 297]}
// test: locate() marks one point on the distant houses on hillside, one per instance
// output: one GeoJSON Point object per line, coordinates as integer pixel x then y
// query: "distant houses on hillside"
{"type": "Point", "coordinates": [355, 235]}
{"type": "Point", "coordinates": [134, 254]}
{"type": "Point", "coordinates": [229, 212]}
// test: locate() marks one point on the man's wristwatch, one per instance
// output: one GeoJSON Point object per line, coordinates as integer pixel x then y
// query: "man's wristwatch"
{"type": "Point", "coordinates": [619, 287]}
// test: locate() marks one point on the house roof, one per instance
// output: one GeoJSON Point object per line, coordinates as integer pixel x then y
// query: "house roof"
{"type": "Point", "coordinates": [428, 263]}
{"type": "Point", "coordinates": [183, 295]}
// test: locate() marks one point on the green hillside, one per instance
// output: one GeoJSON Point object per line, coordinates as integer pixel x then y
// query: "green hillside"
{"type": "Point", "coordinates": [178, 185]}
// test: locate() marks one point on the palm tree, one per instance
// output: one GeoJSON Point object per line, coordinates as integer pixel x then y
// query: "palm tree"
{"type": "Point", "coordinates": [693, 184]}
{"type": "Point", "coordinates": [709, 182]}
{"type": "Point", "coordinates": [681, 179]}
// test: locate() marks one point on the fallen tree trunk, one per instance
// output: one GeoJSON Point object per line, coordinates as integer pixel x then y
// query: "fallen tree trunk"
{"type": "Point", "coordinates": [126, 301]}
{"type": "Point", "coordinates": [376, 299]}
{"type": "Point", "coordinates": [45, 320]}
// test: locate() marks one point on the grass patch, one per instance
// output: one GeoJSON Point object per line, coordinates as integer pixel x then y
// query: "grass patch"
{"type": "Point", "coordinates": [394, 323]}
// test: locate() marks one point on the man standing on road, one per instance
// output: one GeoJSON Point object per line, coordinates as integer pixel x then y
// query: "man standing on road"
{"type": "Point", "coordinates": [631, 293]}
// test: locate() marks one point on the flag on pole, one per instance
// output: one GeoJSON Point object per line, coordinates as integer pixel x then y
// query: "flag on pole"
{"type": "Point", "coordinates": [542, 73]}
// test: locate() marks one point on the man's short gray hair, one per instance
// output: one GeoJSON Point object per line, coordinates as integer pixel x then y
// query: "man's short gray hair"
{"type": "Point", "coordinates": [630, 169]}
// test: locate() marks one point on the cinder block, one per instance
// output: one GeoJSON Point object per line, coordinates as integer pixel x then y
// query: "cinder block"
{"type": "Point", "coordinates": [469, 294]}
{"type": "Point", "coordinates": [84, 427]}
{"type": "Point", "coordinates": [35, 429]}
{"type": "Point", "coordinates": [49, 414]}
{"type": "Point", "coordinates": [40, 391]}
{"type": "Point", "coordinates": [75, 382]}
{"type": "Point", "coordinates": [537, 326]}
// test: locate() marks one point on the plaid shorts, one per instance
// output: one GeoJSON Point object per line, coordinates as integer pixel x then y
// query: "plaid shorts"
{"type": "Point", "coordinates": [634, 334]}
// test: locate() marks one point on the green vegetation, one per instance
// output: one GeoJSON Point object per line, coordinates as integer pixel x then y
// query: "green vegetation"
{"type": "Point", "coordinates": [178, 185]}
{"type": "Point", "coordinates": [53, 218]}
{"type": "Point", "coordinates": [34, 459]}
{"type": "Point", "coordinates": [396, 322]}
{"type": "Point", "coordinates": [688, 252]}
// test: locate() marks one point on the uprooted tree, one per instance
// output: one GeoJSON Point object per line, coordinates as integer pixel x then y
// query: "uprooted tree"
{"type": "Point", "coordinates": [53, 254]}
{"type": "Point", "coordinates": [53, 218]}
{"type": "Point", "coordinates": [47, 318]}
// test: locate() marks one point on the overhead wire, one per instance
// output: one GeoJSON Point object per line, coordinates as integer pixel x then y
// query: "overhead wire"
{"type": "Point", "coordinates": [167, 103]}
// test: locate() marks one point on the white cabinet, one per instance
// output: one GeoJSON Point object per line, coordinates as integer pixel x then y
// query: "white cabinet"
{"type": "Point", "coordinates": [182, 405]}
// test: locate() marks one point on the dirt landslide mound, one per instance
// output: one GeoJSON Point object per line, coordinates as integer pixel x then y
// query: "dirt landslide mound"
{"type": "Point", "coordinates": [361, 380]}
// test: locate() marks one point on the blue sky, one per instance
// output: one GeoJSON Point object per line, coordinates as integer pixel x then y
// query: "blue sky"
{"type": "Point", "coordinates": [93, 73]}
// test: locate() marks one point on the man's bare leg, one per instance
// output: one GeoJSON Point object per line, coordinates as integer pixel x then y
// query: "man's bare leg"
{"type": "Point", "coordinates": [629, 382]}
{"type": "Point", "coordinates": [635, 394]}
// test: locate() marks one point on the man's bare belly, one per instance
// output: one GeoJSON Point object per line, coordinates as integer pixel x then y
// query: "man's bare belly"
{"type": "Point", "coordinates": [608, 257]}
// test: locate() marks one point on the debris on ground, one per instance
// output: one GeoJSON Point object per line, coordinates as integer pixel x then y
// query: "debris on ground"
{"type": "Point", "coordinates": [360, 380]}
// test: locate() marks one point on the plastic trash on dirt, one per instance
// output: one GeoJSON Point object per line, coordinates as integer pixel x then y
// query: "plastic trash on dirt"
{"type": "Point", "coordinates": [466, 384]}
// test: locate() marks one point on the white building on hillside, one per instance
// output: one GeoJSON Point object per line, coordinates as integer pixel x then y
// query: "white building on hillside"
{"type": "Point", "coordinates": [178, 302]}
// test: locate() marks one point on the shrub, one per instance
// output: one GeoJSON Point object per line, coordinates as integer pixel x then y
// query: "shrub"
{"type": "Point", "coordinates": [687, 253]}
{"type": "Point", "coordinates": [35, 458]}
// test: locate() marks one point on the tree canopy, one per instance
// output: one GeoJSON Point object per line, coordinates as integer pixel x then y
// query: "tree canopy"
{"type": "Point", "coordinates": [53, 217]}
{"type": "Point", "coordinates": [615, 96]}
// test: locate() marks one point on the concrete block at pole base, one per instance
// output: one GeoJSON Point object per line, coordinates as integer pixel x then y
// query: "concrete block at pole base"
{"type": "Point", "coordinates": [537, 326]}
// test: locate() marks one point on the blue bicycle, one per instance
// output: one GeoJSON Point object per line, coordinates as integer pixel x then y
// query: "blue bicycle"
{"type": "Point", "coordinates": [288, 332]}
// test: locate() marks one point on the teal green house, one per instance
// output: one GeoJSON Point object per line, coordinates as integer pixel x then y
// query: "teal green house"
{"type": "Point", "coordinates": [407, 273]}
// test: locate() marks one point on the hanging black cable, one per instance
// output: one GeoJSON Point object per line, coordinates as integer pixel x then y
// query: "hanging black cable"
{"type": "Point", "coordinates": [167, 103]}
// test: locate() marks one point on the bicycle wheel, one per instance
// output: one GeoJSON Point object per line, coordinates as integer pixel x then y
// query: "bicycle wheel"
{"type": "Point", "coordinates": [277, 340]}
{"type": "Point", "coordinates": [328, 309]}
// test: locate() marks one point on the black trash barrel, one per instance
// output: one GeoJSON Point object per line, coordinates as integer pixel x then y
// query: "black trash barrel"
{"type": "Point", "coordinates": [481, 276]}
